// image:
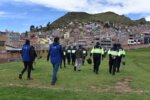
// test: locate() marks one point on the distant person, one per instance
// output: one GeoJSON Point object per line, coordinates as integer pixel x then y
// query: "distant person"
{"type": "Point", "coordinates": [97, 53]}
{"type": "Point", "coordinates": [34, 55]}
{"type": "Point", "coordinates": [113, 54]}
{"type": "Point", "coordinates": [63, 58]}
{"type": "Point", "coordinates": [73, 55]}
{"type": "Point", "coordinates": [105, 53]}
{"type": "Point", "coordinates": [26, 54]}
{"type": "Point", "coordinates": [84, 55]}
{"type": "Point", "coordinates": [79, 59]}
{"type": "Point", "coordinates": [55, 54]}
{"type": "Point", "coordinates": [69, 55]}
{"type": "Point", "coordinates": [120, 57]}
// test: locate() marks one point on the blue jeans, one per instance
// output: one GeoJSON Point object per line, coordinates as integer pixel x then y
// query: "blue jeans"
{"type": "Point", "coordinates": [55, 70]}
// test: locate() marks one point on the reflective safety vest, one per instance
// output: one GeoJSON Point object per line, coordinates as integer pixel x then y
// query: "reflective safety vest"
{"type": "Point", "coordinates": [68, 51]}
{"type": "Point", "coordinates": [97, 50]}
{"type": "Point", "coordinates": [64, 53]}
{"type": "Point", "coordinates": [73, 51]}
{"type": "Point", "coordinates": [113, 53]}
{"type": "Point", "coordinates": [84, 52]}
{"type": "Point", "coordinates": [122, 52]}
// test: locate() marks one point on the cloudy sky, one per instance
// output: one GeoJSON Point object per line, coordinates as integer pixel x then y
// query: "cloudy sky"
{"type": "Point", "coordinates": [18, 15]}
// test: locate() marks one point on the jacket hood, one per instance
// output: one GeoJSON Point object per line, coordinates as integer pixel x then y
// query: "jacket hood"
{"type": "Point", "coordinates": [55, 44]}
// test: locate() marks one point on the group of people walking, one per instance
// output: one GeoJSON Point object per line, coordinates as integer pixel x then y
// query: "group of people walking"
{"type": "Point", "coordinates": [116, 54]}
{"type": "Point", "coordinates": [75, 56]}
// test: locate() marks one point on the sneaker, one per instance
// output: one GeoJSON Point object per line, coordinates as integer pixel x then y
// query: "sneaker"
{"type": "Point", "coordinates": [53, 82]}
{"type": "Point", "coordinates": [20, 76]}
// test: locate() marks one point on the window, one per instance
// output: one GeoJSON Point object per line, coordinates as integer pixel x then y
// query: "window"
{"type": "Point", "coordinates": [2, 43]}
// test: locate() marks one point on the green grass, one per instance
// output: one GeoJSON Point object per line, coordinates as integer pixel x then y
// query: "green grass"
{"type": "Point", "coordinates": [133, 81]}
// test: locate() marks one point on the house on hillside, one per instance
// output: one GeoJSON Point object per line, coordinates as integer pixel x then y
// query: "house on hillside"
{"type": "Point", "coordinates": [146, 37]}
{"type": "Point", "coordinates": [2, 43]}
{"type": "Point", "coordinates": [106, 42]}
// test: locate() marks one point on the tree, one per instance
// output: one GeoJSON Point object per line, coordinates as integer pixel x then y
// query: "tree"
{"type": "Point", "coordinates": [37, 28]}
{"type": "Point", "coordinates": [32, 28]}
{"type": "Point", "coordinates": [48, 25]}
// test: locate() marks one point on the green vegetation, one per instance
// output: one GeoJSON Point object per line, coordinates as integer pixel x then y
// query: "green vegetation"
{"type": "Point", "coordinates": [132, 83]}
{"type": "Point", "coordinates": [101, 17]}
{"type": "Point", "coordinates": [82, 17]}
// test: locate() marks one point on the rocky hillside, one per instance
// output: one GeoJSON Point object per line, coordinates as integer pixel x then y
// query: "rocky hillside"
{"type": "Point", "coordinates": [101, 17]}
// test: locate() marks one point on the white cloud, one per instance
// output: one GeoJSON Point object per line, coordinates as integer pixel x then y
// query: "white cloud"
{"type": "Point", "coordinates": [12, 15]}
{"type": "Point", "coordinates": [148, 18]}
{"type": "Point", "coordinates": [95, 6]}
{"type": "Point", "coordinates": [2, 13]}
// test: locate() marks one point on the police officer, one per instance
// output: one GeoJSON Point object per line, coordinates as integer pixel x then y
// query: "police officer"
{"type": "Point", "coordinates": [119, 58]}
{"type": "Point", "coordinates": [69, 55]}
{"type": "Point", "coordinates": [97, 53]}
{"type": "Point", "coordinates": [84, 55]}
{"type": "Point", "coordinates": [73, 55]}
{"type": "Point", "coordinates": [63, 58]}
{"type": "Point", "coordinates": [113, 54]}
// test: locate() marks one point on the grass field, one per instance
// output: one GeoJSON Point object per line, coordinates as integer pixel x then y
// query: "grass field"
{"type": "Point", "coordinates": [132, 83]}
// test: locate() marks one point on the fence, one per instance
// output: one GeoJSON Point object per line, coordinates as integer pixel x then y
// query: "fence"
{"type": "Point", "coordinates": [9, 56]}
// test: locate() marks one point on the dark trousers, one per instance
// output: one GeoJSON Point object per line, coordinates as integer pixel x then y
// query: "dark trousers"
{"type": "Point", "coordinates": [68, 60]}
{"type": "Point", "coordinates": [64, 62]}
{"type": "Point", "coordinates": [73, 59]}
{"type": "Point", "coordinates": [83, 59]}
{"type": "Point", "coordinates": [32, 65]}
{"type": "Point", "coordinates": [96, 61]}
{"type": "Point", "coordinates": [118, 63]}
{"type": "Point", "coordinates": [112, 66]}
{"type": "Point", "coordinates": [27, 66]}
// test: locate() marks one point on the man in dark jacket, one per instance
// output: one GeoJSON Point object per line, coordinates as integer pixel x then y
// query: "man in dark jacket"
{"type": "Point", "coordinates": [69, 55]}
{"type": "Point", "coordinates": [34, 55]}
{"type": "Point", "coordinates": [73, 55]}
{"type": "Point", "coordinates": [79, 58]}
{"type": "Point", "coordinates": [26, 54]}
{"type": "Point", "coordinates": [55, 54]}
{"type": "Point", "coordinates": [63, 58]}
{"type": "Point", "coordinates": [84, 55]}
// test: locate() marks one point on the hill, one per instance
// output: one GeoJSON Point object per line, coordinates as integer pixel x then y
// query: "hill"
{"type": "Point", "coordinates": [101, 17]}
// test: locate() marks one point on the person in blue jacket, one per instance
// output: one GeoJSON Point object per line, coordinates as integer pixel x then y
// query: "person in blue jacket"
{"type": "Point", "coordinates": [26, 54]}
{"type": "Point", "coordinates": [55, 54]}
